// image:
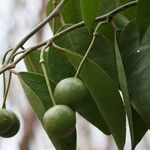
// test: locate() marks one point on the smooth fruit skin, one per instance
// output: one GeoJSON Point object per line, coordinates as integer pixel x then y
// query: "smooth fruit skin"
{"type": "Point", "coordinates": [71, 92]}
{"type": "Point", "coordinates": [59, 121]}
{"type": "Point", "coordinates": [14, 128]}
{"type": "Point", "coordinates": [6, 120]}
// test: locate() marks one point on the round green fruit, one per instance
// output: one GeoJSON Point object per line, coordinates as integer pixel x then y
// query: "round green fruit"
{"type": "Point", "coordinates": [6, 120]}
{"type": "Point", "coordinates": [59, 121]}
{"type": "Point", "coordinates": [14, 128]}
{"type": "Point", "coordinates": [71, 92]}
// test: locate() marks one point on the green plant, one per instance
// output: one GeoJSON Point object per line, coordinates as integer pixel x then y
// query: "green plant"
{"type": "Point", "coordinates": [71, 91]}
{"type": "Point", "coordinates": [59, 121]}
{"type": "Point", "coordinates": [103, 43]}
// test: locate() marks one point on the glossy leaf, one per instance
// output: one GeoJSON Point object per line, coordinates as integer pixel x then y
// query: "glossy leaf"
{"type": "Point", "coordinates": [120, 21]}
{"type": "Point", "coordinates": [139, 127]}
{"type": "Point", "coordinates": [130, 13]}
{"type": "Point", "coordinates": [143, 16]}
{"type": "Point", "coordinates": [107, 32]}
{"type": "Point", "coordinates": [71, 12]}
{"type": "Point", "coordinates": [107, 5]}
{"type": "Point", "coordinates": [124, 88]}
{"type": "Point", "coordinates": [32, 62]}
{"type": "Point", "coordinates": [59, 66]}
{"type": "Point", "coordinates": [105, 94]}
{"type": "Point", "coordinates": [89, 11]}
{"type": "Point", "coordinates": [36, 91]}
{"type": "Point", "coordinates": [137, 65]}
{"type": "Point", "coordinates": [55, 24]}
{"type": "Point", "coordinates": [131, 60]}
{"type": "Point", "coordinates": [91, 113]}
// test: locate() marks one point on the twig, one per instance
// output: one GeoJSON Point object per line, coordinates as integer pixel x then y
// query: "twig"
{"type": "Point", "coordinates": [42, 62]}
{"type": "Point", "coordinates": [65, 31]}
{"type": "Point", "coordinates": [28, 51]}
{"type": "Point", "coordinates": [46, 20]}
{"type": "Point", "coordinates": [58, 47]}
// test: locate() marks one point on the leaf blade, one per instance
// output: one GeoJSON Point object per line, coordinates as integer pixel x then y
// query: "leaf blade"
{"type": "Point", "coordinates": [131, 60]}
{"type": "Point", "coordinates": [89, 11]}
{"type": "Point", "coordinates": [124, 88]}
{"type": "Point", "coordinates": [143, 16]}
{"type": "Point", "coordinates": [71, 13]}
{"type": "Point", "coordinates": [96, 89]}
{"type": "Point", "coordinates": [32, 62]}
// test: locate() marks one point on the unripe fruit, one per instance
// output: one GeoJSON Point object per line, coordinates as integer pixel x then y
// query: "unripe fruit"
{"type": "Point", "coordinates": [14, 128]}
{"type": "Point", "coordinates": [59, 121]}
{"type": "Point", "coordinates": [6, 120]}
{"type": "Point", "coordinates": [71, 92]}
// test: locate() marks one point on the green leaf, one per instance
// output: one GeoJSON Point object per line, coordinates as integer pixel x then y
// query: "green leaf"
{"type": "Point", "coordinates": [143, 16]}
{"type": "Point", "coordinates": [91, 113]}
{"type": "Point", "coordinates": [130, 13]}
{"type": "Point", "coordinates": [59, 66]}
{"type": "Point", "coordinates": [55, 24]}
{"type": "Point", "coordinates": [71, 12]}
{"type": "Point", "coordinates": [32, 62]}
{"type": "Point", "coordinates": [105, 94]}
{"type": "Point", "coordinates": [134, 63]}
{"type": "Point", "coordinates": [107, 5]}
{"type": "Point", "coordinates": [136, 124]}
{"type": "Point", "coordinates": [120, 21]}
{"type": "Point", "coordinates": [139, 127]}
{"type": "Point", "coordinates": [27, 82]}
{"type": "Point", "coordinates": [107, 33]}
{"type": "Point", "coordinates": [89, 11]}
{"type": "Point", "coordinates": [36, 91]}
{"type": "Point", "coordinates": [137, 66]}
{"type": "Point", "coordinates": [124, 88]}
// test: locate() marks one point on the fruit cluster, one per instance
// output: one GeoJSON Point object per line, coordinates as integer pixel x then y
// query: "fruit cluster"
{"type": "Point", "coordinates": [9, 123]}
{"type": "Point", "coordinates": [59, 121]}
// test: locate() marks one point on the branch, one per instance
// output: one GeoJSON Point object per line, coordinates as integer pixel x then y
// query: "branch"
{"type": "Point", "coordinates": [46, 20]}
{"type": "Point", "coordinates": [63, 32]}
{"type": "Point", "coordinates": [27, 51]}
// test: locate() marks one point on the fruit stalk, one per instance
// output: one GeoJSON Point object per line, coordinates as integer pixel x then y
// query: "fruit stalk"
{"type": "Point", "coordinates": [42, 62]}
{"type": "Point", "coordinates": [95, 33]}
{"type": "Point", "coordinates": [7, 90]}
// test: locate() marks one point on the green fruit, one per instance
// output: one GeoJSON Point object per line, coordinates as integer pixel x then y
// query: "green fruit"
{"type": "Point", "coordinates": [71, 92]}
{"type": "Point", "coordinates": [59, 121]}
{"type": "Point", "coordinates": [6, 120]}
{"type": "Point", "coordinates": [14, 128]}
